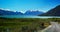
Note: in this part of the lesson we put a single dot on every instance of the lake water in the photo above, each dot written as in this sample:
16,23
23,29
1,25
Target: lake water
26,16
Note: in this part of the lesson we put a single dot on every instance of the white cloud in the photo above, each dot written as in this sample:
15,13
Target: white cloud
37,10
5,9
1,8
23,11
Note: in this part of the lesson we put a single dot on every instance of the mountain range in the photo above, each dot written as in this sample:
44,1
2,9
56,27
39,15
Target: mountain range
6,12
33,12
53,12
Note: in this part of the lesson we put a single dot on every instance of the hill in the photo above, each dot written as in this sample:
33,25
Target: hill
53,12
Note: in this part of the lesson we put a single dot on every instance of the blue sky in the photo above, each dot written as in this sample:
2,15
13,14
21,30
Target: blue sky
24,5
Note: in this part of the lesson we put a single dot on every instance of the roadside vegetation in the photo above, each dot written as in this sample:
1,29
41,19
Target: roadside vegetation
25,24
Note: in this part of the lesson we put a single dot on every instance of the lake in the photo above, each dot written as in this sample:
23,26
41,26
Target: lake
27,16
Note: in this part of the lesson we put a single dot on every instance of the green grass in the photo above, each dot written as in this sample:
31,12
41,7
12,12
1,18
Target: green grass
19,24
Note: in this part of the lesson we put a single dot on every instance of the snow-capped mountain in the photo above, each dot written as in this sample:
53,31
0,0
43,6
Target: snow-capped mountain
6,12
29,12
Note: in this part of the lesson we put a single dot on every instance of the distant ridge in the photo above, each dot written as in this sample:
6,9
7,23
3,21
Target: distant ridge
53,12
5,12
29,12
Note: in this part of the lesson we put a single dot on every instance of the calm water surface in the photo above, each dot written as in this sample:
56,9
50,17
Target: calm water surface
26,16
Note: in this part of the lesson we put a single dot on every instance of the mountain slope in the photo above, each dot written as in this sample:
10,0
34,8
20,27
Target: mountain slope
53,12
5,12
33,12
